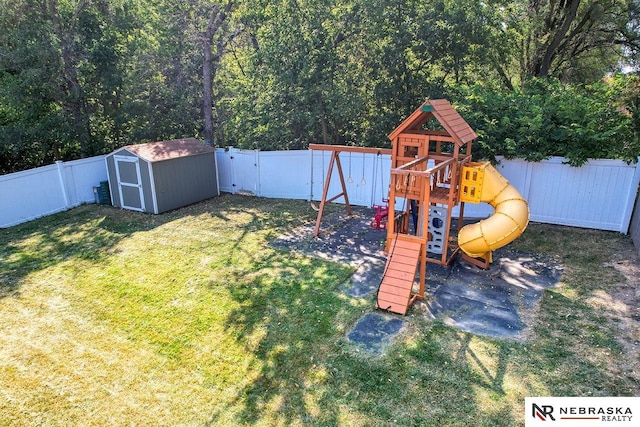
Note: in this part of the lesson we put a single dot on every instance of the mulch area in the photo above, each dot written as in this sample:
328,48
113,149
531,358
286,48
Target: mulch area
497,303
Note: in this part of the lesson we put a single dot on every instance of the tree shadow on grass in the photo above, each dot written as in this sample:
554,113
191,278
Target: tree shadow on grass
309,374
85,233
88,232
488,377
291,303
289,318
425,381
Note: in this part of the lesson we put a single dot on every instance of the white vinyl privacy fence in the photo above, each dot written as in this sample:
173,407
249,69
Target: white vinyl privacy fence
598,195
50,189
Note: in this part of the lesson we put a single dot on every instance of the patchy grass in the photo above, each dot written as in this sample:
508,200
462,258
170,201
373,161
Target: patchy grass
109,317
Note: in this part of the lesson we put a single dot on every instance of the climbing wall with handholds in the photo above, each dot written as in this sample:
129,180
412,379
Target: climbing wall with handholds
436,226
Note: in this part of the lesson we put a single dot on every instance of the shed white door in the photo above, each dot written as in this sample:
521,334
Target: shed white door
129,182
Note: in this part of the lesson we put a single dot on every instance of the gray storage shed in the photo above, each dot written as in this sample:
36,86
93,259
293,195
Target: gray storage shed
160,176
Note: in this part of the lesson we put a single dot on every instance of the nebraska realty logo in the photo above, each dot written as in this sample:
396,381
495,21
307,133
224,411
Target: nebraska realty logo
582,411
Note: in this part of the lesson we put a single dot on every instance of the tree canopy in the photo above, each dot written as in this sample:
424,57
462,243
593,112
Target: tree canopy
83,77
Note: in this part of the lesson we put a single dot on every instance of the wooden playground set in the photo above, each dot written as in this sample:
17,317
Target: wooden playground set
431,174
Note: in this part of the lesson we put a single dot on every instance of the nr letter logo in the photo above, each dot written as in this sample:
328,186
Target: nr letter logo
543,412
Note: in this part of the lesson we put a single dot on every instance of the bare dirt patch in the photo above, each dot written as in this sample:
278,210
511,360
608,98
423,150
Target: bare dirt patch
623,305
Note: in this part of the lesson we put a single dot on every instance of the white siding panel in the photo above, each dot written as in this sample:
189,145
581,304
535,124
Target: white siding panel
238,170
380,179
518,173
319,167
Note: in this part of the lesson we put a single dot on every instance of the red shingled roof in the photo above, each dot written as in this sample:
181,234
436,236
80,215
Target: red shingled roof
165,150
444,112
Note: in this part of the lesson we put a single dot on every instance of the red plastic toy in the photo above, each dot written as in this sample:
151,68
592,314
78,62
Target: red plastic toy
379,221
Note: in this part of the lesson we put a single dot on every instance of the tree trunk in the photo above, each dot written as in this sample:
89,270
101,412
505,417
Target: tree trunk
210,65
323,119
207,93
570,13
72,98
555,32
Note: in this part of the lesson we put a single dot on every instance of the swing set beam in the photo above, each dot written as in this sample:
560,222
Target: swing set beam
335,159
350,149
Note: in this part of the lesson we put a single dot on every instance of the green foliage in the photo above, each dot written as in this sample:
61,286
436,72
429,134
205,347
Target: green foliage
576,40
548,118
83,78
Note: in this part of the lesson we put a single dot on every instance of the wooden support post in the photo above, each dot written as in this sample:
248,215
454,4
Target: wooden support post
391,219
424,232
343,184
335,159
452,201
461,216
483,262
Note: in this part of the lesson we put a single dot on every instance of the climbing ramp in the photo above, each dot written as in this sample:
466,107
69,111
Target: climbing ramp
395,289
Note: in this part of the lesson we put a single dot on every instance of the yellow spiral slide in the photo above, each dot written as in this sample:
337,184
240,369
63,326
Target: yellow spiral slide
481,182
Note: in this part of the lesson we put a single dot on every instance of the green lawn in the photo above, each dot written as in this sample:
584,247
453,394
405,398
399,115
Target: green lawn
110,317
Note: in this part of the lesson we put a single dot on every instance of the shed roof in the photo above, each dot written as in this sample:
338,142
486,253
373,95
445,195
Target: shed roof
165,150
444,112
